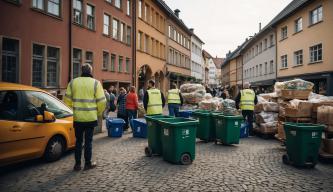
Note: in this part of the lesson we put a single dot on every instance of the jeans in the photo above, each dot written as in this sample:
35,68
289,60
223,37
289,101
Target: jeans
131,114
125,118
248,116
88,137
173,109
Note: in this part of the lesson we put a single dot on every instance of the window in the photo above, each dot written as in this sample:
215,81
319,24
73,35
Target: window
146,44
284,62
271,66
145,12
257,49
316,53
140,41
260,69
89,57
316,15
265,44
260,47
120,64
122,32
39,4
106,60
106,28
117,3
77,60
109,1
90,17
298,25
266,68
174,35
140,9
128,7
10,60
52,66
53,7
298,57
115,32
257,71
169,31
113,62
9,104
77,11
151,16
37,65
284,32
128,35
128,63
271,40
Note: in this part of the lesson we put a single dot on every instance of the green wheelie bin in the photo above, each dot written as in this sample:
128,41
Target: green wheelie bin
154,134
302,143
206,128
178,137
228,129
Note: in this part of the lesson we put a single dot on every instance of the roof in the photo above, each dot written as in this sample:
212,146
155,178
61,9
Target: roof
218,62
193,34
18,87
235,53
206,54
173,16
287,11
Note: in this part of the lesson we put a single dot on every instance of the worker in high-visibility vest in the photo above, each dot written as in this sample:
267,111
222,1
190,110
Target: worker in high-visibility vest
245,100
153,100
86,97
175,100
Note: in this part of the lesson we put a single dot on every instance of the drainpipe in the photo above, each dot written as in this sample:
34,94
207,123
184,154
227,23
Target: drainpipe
134,44
70,42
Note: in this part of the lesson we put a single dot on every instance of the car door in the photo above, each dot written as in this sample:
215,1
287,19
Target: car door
13,132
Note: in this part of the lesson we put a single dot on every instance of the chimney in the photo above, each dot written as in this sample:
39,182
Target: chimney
259,26
177,11
192,30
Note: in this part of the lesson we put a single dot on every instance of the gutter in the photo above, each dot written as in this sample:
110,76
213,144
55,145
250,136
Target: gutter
134,44
70,45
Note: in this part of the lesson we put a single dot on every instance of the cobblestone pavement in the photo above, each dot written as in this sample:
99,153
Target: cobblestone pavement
253,165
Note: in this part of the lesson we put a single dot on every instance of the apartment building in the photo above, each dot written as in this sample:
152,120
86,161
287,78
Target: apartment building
304,43
259,59
206,60
197,62
47,49
218,63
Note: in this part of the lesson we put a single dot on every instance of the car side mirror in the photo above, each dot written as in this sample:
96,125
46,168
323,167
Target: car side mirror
47,117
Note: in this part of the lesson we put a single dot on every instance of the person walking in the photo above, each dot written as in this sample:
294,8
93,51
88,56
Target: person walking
121,103
153,100
175,100
132,104
107,106
245,100
86,97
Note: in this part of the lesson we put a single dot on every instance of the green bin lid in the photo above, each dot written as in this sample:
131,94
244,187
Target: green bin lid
179,122
305,126
233,117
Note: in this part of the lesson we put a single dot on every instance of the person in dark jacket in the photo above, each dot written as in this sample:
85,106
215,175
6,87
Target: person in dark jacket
245,100
121,103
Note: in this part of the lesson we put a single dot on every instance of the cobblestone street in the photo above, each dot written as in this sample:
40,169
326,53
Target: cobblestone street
254,165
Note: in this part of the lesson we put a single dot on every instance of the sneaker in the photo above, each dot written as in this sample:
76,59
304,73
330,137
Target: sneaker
90,166
77,167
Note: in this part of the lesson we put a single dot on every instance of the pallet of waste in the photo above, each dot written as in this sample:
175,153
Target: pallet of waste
266,116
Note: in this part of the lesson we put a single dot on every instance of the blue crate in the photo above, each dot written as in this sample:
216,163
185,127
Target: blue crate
115,127
185,113
139,128
244,130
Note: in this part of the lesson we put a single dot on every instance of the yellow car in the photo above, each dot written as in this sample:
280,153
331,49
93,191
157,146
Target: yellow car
33,124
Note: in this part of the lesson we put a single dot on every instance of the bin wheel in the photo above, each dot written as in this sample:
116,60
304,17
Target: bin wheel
185,159
148,152
285,159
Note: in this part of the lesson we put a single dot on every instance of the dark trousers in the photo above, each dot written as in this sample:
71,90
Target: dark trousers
125,118
88,133
131,114
248,116
173,109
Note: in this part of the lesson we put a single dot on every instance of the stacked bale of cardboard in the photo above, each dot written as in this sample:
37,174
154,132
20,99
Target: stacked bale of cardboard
266,113
325,116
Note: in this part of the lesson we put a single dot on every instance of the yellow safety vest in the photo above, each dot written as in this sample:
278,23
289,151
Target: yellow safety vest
86,97
154,102
247,99
173,96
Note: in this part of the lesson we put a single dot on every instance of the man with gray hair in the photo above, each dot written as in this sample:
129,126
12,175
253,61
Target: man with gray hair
245,100
86,97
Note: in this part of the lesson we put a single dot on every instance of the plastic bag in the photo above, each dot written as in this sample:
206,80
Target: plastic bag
298,84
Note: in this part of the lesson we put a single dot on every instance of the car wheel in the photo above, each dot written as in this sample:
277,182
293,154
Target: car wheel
54,149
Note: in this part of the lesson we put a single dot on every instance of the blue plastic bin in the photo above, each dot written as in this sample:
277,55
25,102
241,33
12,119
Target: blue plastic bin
244,130
185,113
139,128
115,127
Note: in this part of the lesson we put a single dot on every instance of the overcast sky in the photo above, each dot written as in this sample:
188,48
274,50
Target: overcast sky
224,24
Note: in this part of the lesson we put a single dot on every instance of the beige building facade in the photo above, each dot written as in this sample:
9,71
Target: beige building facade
304,45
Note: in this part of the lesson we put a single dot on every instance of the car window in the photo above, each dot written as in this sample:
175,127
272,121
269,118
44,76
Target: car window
34,101
8,105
